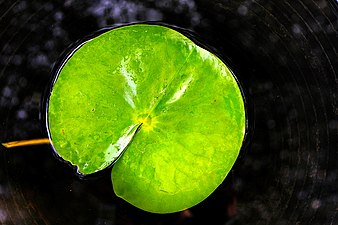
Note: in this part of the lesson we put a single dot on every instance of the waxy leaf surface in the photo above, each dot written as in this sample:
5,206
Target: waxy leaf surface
173,109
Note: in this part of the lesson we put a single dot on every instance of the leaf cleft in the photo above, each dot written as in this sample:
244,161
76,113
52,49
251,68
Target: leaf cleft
115,150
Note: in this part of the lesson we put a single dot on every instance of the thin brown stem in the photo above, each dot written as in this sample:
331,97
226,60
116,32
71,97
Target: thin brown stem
14,144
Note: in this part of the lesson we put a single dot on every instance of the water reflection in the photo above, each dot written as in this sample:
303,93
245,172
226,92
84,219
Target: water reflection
285,53
108,12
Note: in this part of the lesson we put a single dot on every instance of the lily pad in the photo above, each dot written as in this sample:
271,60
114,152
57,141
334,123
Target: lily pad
172,108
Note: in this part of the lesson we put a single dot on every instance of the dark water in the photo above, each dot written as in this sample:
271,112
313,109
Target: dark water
284,53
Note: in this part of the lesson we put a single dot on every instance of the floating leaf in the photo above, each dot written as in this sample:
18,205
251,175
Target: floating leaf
173,107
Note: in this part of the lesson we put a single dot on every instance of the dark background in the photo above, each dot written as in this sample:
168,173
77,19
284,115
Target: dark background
283,52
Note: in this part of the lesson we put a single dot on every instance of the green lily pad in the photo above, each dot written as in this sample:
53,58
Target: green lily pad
173,108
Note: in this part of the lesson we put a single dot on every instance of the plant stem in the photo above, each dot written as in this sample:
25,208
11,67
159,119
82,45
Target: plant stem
14,144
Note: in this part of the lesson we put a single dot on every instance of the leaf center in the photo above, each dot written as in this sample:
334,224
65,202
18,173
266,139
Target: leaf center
148,123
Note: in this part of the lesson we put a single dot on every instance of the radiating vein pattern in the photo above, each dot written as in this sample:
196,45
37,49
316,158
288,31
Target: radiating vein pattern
173,108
